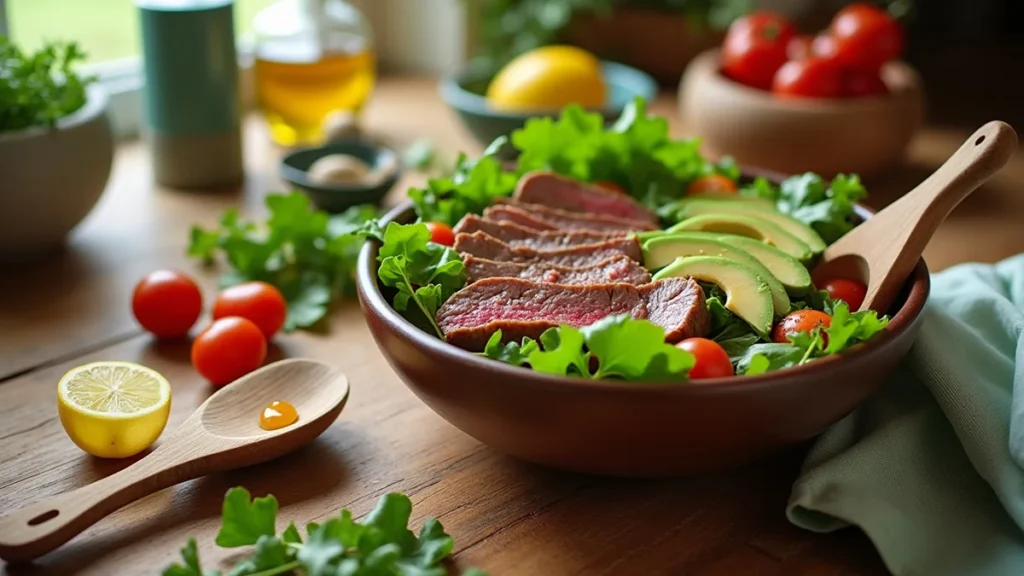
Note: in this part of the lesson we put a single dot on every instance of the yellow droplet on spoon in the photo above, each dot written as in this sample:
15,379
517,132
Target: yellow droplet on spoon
277,415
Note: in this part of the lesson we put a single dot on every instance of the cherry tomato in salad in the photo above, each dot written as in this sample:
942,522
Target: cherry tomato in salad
866,36
228,349
167,303
809,78
609,185
710,359
441,233
755,48
849,291
800,321
258,302
860,83
711,184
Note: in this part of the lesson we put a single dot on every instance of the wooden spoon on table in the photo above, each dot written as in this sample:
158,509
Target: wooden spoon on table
221,434
884,250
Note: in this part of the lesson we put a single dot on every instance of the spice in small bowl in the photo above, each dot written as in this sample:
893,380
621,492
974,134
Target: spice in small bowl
343,173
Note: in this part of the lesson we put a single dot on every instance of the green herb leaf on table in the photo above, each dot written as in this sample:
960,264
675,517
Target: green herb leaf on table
190,563
245,519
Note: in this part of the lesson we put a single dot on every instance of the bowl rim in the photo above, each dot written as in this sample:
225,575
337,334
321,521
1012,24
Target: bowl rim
371,296
450,89
96,103
707,65
297,177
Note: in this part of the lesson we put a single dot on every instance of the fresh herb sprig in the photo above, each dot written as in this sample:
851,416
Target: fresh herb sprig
617,347
39,88
380,545
309,255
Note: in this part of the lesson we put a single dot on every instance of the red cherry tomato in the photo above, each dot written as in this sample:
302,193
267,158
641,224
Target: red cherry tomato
755,48
823,46
441,233
228,349
809,78
804,46
800,321
861,83
849,291
711,360
866,36
167,303
711,184
799,47
613,186
258,302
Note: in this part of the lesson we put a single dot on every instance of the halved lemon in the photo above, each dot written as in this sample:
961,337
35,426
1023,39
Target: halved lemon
113,409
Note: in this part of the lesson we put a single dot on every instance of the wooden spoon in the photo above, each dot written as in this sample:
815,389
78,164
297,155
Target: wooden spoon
221,434
884,250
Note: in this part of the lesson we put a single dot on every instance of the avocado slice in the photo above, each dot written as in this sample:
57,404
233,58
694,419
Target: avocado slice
786,269
719,205
663,250
747,295
743,225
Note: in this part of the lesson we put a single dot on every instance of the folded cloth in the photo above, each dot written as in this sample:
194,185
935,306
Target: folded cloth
932,466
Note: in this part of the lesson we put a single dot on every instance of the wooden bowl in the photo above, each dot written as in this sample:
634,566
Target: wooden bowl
633,429
856,135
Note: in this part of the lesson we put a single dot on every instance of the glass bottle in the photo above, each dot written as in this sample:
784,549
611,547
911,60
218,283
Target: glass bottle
313,57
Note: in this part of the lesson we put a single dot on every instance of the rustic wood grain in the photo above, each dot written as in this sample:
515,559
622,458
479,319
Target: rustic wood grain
507,516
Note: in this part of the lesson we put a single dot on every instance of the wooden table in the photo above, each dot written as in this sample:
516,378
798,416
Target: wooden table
507,516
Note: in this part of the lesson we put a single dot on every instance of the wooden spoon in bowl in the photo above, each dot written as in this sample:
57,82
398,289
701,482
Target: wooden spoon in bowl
884,250
221,434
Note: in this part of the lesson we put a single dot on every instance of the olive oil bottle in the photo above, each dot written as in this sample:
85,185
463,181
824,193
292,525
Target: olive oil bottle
313,57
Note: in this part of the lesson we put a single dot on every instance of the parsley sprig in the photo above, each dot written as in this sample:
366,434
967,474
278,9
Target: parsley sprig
380,545
39,88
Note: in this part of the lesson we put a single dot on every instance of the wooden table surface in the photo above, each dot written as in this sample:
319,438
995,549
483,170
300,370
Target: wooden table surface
506,516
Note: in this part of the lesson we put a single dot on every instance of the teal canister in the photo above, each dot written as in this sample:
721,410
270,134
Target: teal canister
192,102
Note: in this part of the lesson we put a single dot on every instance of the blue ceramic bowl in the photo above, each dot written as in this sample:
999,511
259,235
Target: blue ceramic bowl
464,93
338,197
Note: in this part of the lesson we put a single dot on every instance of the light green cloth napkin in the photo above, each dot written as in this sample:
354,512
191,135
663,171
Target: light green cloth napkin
931,466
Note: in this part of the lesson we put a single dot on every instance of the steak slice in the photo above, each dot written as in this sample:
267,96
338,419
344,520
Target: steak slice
617,269
482,245
540,217
516,235
521,308
678,306
559,191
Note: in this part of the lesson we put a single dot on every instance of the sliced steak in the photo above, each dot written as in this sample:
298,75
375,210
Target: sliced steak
617,269
562,192
522,308
677,305
516,235
488,247
540,217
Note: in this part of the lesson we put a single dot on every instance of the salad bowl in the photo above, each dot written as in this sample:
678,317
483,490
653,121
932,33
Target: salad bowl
634,429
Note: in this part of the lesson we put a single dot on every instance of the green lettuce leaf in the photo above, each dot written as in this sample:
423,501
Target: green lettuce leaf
826,207
514,353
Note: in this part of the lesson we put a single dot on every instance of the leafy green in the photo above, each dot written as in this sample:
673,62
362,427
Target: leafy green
826,207
617,347
473,186
40,88
380,545
309,255
424,273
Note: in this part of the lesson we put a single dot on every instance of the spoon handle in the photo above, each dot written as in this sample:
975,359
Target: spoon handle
42,526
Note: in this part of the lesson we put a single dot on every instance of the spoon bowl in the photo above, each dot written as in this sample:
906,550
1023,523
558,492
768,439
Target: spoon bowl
223,433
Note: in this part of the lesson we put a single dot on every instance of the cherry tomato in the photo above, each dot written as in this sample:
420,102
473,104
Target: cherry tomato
800,321
228,349
860,83
258,302
167,303
613,186
849,291
823,46
441,233
711,360
866,36
755,48
799,47
809,78
711,184
804,46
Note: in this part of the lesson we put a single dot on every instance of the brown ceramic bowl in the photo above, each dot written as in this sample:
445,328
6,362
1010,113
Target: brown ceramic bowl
855,135
633,429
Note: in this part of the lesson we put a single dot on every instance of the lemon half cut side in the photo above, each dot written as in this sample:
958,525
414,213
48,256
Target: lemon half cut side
113,409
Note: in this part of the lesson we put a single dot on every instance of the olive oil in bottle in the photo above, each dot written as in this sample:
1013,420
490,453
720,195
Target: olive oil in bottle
313,57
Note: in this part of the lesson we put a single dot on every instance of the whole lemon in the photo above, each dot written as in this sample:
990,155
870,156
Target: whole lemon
548,78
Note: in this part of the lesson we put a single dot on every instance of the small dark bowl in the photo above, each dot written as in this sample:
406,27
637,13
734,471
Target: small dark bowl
464,93
338,197
634,429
